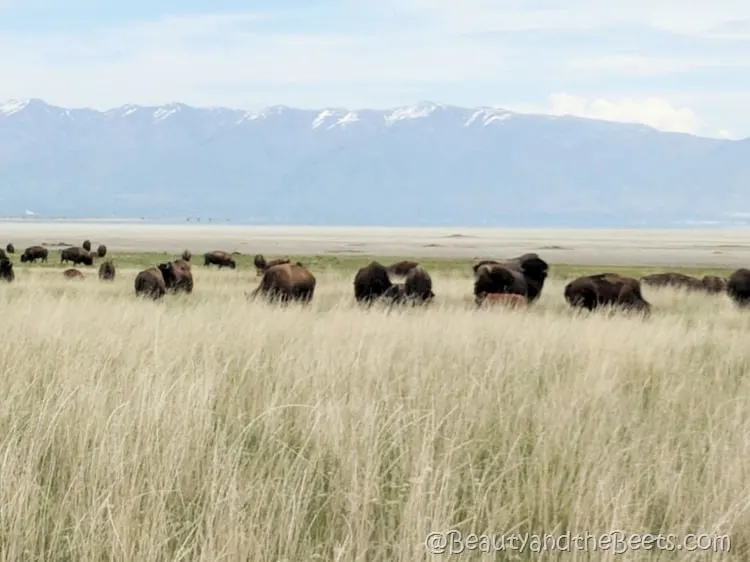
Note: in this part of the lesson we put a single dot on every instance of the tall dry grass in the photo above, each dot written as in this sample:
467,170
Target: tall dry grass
212,428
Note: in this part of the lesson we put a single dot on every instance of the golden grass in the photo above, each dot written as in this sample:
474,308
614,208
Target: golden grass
207,427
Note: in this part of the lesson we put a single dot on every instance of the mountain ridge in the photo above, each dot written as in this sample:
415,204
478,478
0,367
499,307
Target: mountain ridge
422,164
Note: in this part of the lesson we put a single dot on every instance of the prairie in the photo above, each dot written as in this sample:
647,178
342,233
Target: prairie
208,427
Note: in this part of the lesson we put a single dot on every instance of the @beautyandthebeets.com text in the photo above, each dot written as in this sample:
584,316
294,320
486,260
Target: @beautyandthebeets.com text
617,542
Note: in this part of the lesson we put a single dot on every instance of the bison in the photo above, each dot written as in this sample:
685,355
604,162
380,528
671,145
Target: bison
3,255
186,255
287,282
33,253
6,270
101,251
714,284
151,282
10,248
179,277
73,274
401,268
508,300
222,259
418,286
86,245
107,271
738,287
523,275
606,289
371,282
261,265
76,255
672,279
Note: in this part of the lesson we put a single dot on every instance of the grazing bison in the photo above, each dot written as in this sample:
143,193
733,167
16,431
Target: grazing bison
73,274
418,285
76,255
606,289
151,282
222,259
86,245
714,283
179,277
287,282
6,270
33,253
186,255
261,264
101,251
738,287
672,279
523,275
10,248
508,300
107,271
401,268
371,282
3,255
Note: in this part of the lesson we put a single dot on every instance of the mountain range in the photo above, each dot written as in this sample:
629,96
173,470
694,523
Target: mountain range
428,164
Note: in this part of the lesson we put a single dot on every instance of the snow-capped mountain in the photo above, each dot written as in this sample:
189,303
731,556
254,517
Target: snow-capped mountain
423,164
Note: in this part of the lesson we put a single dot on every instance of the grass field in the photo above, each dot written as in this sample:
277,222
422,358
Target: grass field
206,427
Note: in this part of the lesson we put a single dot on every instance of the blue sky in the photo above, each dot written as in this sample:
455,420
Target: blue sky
676,65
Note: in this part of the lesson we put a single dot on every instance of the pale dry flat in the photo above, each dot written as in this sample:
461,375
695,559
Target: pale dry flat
706,248
207,427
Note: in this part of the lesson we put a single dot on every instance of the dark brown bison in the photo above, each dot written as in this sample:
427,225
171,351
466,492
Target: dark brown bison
73,274
418,285
76,255
3,255
151,282
738,287
523,275
672,279
186,255
507,300
33,253
261,264
6,270
86,245
714,283
101,251
371,282
219,258
606,289
401,268
287,282
107,271
179,277
10,248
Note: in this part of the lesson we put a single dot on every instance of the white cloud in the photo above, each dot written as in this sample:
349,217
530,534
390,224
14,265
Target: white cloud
655,112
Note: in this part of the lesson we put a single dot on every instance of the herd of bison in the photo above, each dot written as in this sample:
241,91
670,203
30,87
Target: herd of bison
514,282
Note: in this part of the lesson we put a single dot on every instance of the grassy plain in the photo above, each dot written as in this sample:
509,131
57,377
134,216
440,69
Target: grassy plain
207,427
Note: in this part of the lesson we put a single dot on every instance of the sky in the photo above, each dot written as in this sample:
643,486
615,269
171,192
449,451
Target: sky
678,65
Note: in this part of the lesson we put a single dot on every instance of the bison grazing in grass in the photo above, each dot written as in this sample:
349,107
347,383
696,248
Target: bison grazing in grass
107,271
606,289
286,282
186,255
73,274
672,279
371,282
506,300
261,265
401,268
86,245
738,287
6,270
524,275
33,253
151,283
76,255
101,251
179,277
219,258
3,255
714,284
10,248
